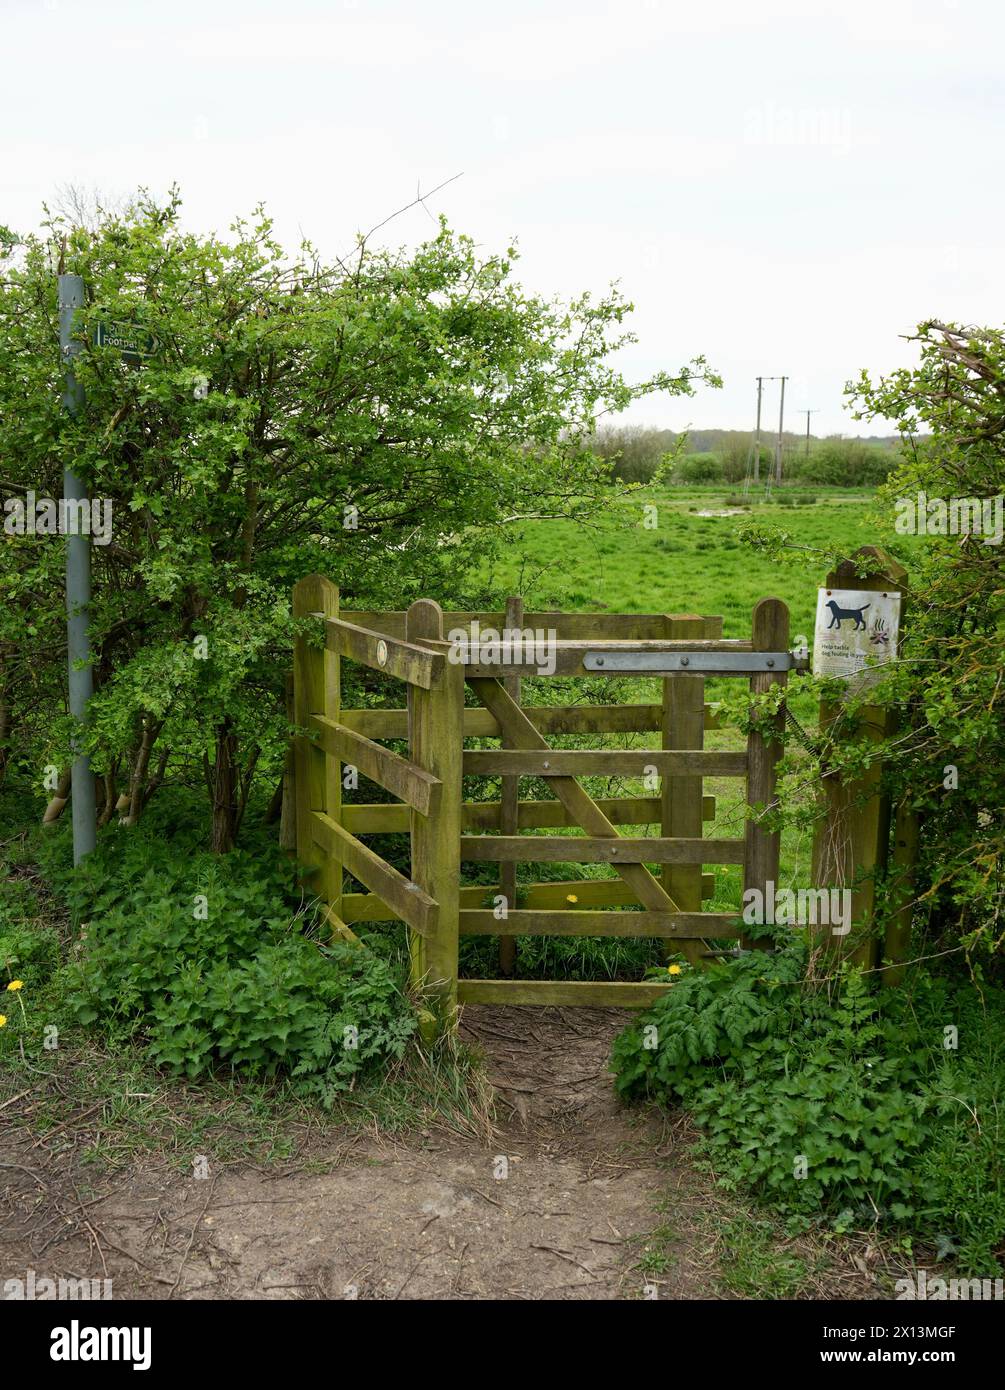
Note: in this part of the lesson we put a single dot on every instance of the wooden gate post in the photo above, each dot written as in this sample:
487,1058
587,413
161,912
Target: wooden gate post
317,777
681,797
436,743
509,800
763,846
850,845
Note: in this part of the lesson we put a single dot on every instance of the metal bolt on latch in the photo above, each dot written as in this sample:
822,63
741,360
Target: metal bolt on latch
685,661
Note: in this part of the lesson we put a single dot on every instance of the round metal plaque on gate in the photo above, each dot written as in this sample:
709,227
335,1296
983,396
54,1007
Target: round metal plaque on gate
382,653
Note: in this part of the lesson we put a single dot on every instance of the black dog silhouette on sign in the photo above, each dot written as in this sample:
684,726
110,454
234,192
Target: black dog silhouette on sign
838,615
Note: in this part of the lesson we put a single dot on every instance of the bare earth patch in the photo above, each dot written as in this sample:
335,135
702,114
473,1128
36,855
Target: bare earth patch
426,1218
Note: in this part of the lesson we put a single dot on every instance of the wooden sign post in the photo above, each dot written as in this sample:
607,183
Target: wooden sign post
851,843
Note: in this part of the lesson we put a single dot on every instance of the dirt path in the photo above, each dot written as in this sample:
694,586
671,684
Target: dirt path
557,1205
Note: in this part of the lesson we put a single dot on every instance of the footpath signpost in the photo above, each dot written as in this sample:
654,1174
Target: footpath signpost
78,582
133,342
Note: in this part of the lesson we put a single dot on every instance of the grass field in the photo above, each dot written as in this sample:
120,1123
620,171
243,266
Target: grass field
693,559
687,562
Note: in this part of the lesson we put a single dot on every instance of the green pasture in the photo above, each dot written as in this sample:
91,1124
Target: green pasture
678,560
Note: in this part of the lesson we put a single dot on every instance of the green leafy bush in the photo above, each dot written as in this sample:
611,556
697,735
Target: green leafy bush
698,468
837,1103
844,463
25,952
321,1013
297,416
208,961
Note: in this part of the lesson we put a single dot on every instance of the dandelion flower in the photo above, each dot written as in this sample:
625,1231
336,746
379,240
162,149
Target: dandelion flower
571,898
16,984
3,1020
673,970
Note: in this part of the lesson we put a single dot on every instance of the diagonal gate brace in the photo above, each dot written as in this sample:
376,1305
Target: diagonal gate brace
519,732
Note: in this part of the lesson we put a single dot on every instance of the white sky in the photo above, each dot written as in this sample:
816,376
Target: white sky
784,185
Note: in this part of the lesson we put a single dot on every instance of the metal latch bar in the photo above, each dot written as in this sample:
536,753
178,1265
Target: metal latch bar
695,663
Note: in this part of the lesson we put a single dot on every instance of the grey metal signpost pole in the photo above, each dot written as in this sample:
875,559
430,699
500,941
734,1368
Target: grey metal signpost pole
78,582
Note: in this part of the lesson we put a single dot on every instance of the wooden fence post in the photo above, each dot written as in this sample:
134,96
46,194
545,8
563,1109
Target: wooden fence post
763,846
509,822
681,797
436,743
317,777
851,843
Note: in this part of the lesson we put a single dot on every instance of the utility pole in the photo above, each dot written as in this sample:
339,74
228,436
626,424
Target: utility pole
757,437
781,418
808,413
78,580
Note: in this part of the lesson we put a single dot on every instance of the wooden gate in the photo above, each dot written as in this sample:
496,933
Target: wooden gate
438,656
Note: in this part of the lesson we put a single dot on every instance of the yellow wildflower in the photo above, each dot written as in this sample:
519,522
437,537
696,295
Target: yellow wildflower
3,1020
571,898
16,984
673,970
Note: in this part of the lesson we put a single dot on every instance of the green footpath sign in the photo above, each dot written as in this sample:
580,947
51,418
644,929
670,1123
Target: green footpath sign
132,341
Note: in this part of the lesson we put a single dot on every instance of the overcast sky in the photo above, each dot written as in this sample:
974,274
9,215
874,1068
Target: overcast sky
783,185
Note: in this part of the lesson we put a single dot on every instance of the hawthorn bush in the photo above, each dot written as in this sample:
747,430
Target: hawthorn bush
378,418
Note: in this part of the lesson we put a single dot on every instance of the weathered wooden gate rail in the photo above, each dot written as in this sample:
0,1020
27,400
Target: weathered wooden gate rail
681,649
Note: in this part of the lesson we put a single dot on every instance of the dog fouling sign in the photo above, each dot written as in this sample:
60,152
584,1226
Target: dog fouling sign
855,629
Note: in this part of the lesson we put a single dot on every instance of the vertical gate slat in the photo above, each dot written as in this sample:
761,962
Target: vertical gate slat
681,804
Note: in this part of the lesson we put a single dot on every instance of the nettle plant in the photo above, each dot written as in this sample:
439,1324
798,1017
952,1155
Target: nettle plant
800,1092
378,418
841,1104
210,964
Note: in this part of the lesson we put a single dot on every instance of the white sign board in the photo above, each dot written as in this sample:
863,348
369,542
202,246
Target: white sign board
855,628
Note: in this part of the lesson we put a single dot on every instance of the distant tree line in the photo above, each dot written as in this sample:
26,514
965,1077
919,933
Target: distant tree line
643,454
